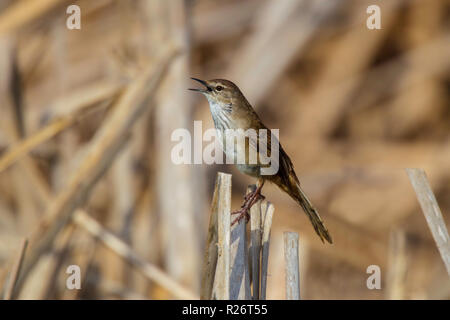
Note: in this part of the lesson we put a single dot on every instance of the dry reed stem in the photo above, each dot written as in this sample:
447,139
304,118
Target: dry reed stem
240,273
292,266
267,208
221,288
61,252
78,101
102,151
210,256
117,245
255,244
9,293
397,262
124,200
22,147
433,215
46,277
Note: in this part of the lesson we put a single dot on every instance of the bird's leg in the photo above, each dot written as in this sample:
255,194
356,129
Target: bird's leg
249,201
249,195
256,192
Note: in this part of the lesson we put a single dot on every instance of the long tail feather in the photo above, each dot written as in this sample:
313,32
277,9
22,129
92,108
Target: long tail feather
312,214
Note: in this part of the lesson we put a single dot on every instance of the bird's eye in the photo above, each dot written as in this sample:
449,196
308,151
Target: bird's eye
219,88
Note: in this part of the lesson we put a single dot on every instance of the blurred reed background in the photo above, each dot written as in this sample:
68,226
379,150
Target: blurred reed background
86,118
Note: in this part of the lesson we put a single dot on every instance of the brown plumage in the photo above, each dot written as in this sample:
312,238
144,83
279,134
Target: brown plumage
231,110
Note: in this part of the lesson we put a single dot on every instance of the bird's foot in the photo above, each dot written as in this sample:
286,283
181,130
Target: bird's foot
249,200
242,213
249,195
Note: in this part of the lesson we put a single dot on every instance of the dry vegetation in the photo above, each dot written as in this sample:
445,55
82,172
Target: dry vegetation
86,117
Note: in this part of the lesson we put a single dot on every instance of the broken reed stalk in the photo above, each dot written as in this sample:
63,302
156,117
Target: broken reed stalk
210,257
221,288
255,248
226,265
291,265
432,212
268,208
9,293
240,274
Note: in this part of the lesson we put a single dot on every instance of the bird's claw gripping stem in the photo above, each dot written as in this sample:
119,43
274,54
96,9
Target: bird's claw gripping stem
249,200
248,196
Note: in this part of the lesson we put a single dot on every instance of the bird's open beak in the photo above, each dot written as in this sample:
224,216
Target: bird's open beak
203,83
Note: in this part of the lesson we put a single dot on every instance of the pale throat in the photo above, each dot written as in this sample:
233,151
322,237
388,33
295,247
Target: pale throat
221,114
214,105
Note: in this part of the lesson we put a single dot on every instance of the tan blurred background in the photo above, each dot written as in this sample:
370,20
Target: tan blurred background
354,108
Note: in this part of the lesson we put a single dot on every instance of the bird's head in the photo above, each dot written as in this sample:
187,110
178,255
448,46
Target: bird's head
219,91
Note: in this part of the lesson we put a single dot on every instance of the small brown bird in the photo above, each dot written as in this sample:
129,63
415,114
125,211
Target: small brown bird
231,110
